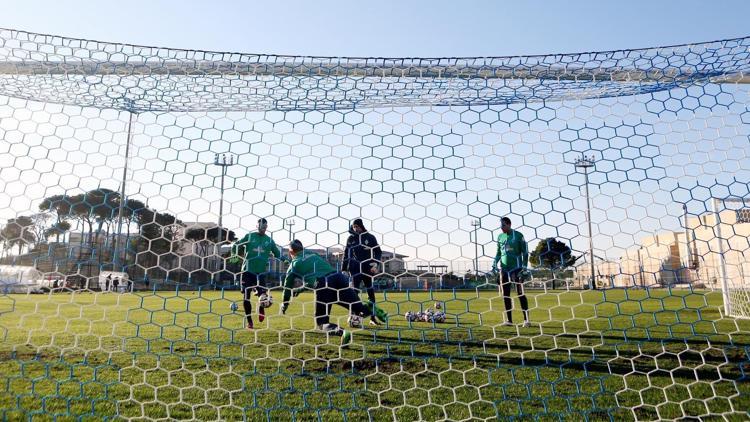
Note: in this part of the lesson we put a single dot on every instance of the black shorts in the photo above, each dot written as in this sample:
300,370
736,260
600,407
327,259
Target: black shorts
253,281
360,279
509,279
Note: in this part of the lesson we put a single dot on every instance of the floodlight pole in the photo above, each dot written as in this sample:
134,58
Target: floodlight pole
476,224
586,163
640,266
130,107
223,161
689,262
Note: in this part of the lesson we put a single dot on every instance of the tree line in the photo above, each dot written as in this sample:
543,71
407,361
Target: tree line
96,214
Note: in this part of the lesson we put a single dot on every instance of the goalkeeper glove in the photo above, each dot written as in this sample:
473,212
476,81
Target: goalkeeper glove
524,275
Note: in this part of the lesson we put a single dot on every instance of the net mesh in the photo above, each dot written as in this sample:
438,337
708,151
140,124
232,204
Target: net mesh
128,172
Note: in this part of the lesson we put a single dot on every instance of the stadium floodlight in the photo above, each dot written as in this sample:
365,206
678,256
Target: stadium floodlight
586,163
224,161
289,222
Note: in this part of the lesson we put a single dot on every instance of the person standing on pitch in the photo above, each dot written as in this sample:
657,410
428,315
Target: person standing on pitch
513,255
330,286
362,258
255,248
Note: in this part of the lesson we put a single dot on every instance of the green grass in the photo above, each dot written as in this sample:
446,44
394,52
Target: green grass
616,354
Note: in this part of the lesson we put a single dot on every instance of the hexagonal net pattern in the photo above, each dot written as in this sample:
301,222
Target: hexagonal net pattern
139,279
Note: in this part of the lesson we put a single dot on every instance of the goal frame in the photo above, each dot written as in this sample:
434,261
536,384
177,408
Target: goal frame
717,206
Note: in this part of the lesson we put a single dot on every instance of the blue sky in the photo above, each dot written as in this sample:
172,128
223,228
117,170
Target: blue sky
386,28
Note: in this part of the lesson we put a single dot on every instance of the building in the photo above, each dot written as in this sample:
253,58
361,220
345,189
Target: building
393,263
697,256
609,273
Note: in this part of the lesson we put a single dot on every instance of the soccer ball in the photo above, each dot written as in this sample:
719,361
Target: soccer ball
233,307
438,305
265,300
438,317
355,321
410,316
427,315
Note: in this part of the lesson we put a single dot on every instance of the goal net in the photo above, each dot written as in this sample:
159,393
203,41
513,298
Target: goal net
145,191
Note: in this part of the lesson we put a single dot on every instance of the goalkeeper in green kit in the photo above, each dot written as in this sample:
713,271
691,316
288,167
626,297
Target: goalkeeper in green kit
330,286
255,249
513,255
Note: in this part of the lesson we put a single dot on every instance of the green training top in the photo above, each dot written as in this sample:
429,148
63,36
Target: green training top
307,266
512,251
256,249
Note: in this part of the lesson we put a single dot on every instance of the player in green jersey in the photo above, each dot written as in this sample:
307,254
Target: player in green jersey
330,286
513,255
255,249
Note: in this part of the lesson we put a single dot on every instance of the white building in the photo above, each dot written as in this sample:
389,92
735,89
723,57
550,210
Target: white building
695,256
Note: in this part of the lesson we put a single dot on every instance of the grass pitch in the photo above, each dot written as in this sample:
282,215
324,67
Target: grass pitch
600,355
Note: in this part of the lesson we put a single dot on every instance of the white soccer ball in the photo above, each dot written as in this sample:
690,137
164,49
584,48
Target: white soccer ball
355,321
233,307
426,316
438,305
438,317
265,300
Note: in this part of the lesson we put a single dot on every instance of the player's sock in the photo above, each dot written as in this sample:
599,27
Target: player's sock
379,313
346,338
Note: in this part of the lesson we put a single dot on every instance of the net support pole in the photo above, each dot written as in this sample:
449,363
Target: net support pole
722,261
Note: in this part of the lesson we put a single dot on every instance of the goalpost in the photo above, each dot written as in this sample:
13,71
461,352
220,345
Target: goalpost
735,287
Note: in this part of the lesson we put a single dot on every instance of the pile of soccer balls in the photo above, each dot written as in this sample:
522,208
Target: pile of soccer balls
428,315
